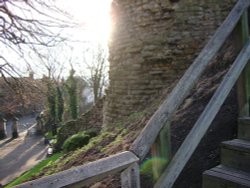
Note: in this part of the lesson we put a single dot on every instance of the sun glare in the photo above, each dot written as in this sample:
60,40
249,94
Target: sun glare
94,16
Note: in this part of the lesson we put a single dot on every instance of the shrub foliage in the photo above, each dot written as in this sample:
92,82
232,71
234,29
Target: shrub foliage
78,140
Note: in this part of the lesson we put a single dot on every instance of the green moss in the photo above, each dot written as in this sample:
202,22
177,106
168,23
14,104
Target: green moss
79,140
135,116
118,140
114,133
93,143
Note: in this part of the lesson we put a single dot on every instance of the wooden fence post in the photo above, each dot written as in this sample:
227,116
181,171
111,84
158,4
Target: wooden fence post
243,84
130,178
161,152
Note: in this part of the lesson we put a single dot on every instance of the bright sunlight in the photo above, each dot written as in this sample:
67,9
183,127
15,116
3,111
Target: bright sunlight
93,15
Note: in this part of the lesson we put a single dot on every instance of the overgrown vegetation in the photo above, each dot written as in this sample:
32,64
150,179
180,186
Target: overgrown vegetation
78,140
49,136
60,103
110,140
52,138
51,106
71,87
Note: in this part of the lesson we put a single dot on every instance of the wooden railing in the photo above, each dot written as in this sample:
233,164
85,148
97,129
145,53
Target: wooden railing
164,114
204,121
85,174
128,162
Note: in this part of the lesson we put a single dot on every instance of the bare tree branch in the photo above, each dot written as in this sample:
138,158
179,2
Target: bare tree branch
98,68
27,24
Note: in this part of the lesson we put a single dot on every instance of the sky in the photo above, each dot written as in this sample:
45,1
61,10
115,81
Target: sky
93,15
93,27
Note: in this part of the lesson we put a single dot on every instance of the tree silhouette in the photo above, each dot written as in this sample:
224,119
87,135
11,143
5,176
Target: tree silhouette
71,87
25,26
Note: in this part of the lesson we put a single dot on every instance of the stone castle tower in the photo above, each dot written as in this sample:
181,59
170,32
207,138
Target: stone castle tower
152,44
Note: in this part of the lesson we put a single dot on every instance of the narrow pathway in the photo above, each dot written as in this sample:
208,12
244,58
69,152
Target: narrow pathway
19,155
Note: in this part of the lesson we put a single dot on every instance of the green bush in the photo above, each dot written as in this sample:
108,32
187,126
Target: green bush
76,141
49,135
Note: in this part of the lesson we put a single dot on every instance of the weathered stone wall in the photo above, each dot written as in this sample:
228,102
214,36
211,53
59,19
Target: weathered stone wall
152,43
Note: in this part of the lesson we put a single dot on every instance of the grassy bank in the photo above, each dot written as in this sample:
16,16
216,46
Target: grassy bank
35,170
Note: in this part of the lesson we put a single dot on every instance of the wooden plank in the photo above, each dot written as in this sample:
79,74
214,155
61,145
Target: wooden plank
161,149
237,159
241,93
243,85
234,172
245,37
237,144
245,27
142,144
244,128
201,126
222,176
241,96
130,178
244,120
85,174
165,139
236,154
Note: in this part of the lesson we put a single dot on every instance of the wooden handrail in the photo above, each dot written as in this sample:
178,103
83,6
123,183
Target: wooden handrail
163,115
204,121
85,174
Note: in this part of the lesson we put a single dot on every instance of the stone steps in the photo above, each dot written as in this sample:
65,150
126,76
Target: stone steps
236,154
222,176
234,171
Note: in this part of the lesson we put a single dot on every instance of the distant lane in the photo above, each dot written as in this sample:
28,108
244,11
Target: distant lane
24,123
21,154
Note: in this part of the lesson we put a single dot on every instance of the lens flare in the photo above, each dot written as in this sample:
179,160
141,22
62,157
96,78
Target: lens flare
153,167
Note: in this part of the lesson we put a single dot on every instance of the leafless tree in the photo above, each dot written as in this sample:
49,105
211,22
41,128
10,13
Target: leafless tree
21,99
98,68
26,25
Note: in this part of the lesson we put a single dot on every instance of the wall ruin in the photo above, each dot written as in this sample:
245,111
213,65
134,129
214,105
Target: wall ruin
152,44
